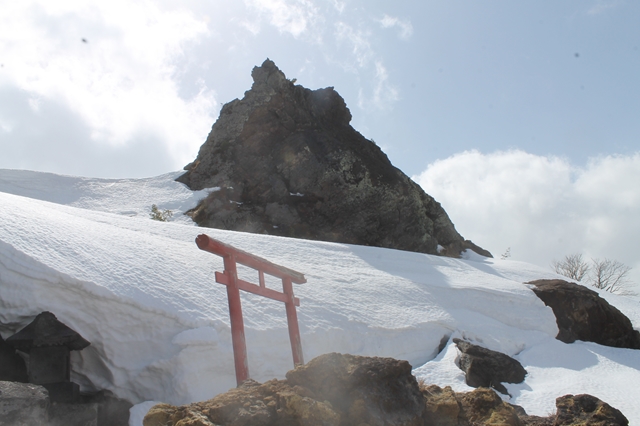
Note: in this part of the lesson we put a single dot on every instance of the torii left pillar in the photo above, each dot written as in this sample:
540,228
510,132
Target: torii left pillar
231,256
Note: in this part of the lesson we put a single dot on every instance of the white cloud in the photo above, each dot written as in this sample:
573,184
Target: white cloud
293,16
252,26
384,93
542,207
357,40
121,79
405,29
338,5
346,43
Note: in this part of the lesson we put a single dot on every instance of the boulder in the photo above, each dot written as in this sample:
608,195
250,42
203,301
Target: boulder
251,403
370,390
587,410
482,406
30,404
581,314
442,406
284,160
332,389
487,368
23,404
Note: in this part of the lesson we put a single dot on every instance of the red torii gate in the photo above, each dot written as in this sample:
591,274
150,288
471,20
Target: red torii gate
229,277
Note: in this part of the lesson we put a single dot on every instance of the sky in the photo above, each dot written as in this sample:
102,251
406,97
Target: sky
521,118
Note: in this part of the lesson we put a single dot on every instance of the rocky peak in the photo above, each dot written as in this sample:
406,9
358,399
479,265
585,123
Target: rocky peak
287,162
268,77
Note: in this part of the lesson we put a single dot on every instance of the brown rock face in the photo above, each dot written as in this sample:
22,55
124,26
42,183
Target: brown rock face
479,407
251,404
347,390
484,407
587,410
581,314
367,390
288,163
331,390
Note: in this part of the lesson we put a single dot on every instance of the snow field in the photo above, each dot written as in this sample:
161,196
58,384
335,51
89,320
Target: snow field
144,296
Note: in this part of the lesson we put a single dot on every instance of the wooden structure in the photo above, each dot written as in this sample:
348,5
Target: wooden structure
231,256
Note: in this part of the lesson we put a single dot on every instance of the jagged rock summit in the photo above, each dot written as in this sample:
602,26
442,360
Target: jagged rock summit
287,162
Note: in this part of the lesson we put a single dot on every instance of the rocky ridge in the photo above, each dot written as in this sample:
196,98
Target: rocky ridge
284,160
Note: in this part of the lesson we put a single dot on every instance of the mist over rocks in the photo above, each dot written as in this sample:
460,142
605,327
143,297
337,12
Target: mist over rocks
285,161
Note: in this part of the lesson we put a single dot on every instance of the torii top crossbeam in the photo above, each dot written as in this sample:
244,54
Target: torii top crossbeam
214,246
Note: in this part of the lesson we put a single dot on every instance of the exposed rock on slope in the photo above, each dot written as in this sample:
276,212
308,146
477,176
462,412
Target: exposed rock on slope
288,163
487,368
582,314
587,410
347,390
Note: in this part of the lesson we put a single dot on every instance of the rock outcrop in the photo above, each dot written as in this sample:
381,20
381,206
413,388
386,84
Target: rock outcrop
347,390
486,368
581,314
23,404
332,389
27,404
287,162
587,410
369,390
484,407
479,407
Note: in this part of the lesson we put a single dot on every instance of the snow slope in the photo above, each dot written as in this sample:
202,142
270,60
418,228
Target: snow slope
144,295
129,197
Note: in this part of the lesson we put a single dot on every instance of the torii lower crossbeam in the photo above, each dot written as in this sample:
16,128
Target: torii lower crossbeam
231,256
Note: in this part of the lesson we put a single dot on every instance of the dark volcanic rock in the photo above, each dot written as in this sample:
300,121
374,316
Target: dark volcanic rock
487,368
288,163
581,314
